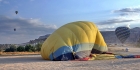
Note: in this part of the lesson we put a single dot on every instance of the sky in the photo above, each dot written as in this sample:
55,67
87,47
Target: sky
40,17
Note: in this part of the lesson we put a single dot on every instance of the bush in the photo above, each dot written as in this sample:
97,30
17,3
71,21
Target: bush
29,48
38,47
7,50
0,49
33,49
11,49
20,49
138,42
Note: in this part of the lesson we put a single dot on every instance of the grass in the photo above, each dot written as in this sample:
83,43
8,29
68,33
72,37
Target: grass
19,53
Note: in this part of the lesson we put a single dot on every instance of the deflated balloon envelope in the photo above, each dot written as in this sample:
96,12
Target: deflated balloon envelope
122,33
72,41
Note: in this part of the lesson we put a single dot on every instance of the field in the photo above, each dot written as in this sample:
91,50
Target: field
35,62
18,53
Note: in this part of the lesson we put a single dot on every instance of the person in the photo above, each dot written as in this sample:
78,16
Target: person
126,49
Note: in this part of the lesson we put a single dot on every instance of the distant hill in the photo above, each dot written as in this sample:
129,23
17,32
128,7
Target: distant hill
45,36
110,36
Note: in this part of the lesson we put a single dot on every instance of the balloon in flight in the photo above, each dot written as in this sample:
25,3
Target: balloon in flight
122,33
14,29
16,12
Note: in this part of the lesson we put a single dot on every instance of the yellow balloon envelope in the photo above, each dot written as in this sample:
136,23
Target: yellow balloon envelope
72,41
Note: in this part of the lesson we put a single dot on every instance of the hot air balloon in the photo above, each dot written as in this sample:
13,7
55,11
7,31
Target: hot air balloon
74,40
122,33
16,12
14,29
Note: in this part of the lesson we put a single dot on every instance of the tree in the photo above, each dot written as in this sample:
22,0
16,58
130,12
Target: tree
0,49
138,42
38,47
11,49
29,48
7,50
20,49
33,49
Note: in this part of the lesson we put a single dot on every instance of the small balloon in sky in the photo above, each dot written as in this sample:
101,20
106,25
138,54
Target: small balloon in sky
16,12
14,29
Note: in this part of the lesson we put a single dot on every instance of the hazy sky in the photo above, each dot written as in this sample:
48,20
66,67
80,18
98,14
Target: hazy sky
40,17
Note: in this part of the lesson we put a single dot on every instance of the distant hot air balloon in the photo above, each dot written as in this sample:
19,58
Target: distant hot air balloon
14,29
122,33
16,12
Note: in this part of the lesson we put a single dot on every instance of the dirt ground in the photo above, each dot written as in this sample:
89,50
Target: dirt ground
35,62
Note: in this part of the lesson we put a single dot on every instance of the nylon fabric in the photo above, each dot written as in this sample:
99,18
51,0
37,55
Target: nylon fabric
72,38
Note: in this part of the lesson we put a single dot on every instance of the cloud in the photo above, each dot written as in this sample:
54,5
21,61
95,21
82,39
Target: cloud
126,17
26,29
128,11
132,10
113,21
106,27
5,2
